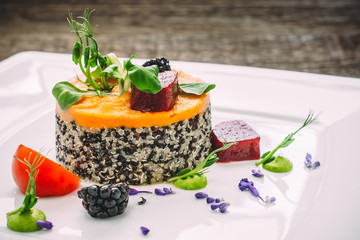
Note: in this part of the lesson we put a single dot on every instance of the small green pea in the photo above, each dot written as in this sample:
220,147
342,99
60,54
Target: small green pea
191,183
279,164
25,222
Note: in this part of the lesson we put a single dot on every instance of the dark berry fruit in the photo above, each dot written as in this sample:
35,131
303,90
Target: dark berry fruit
162,101
162,63
105,201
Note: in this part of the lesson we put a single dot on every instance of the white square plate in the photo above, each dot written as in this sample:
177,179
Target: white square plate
311,204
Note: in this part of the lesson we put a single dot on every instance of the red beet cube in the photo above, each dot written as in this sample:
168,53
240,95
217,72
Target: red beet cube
162,101
247,146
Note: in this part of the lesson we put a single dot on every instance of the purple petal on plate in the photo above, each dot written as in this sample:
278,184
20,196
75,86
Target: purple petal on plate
201,195
257,173
44,224
144,230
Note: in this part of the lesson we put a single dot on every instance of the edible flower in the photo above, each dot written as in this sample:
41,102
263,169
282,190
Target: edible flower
210,200
164,191
144,230
257,173
255,192
308,162
221,206
133,191
200,195
44,224
245,184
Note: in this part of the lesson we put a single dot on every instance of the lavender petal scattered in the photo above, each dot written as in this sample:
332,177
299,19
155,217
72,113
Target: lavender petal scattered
144,230
210,200
44,224
255,192
163,192
159,192
223,207
308,162
201,195
217,200
214,206
245,183
257,173
167,190
133,191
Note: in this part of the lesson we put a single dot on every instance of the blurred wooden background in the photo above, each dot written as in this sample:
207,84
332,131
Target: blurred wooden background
319,36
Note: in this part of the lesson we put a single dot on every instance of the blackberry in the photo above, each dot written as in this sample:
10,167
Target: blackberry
162,63
105,201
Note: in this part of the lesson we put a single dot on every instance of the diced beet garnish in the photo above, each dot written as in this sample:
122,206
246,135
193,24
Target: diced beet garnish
247,146
163,100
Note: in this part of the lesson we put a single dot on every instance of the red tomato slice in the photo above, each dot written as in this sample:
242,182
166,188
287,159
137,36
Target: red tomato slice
52,179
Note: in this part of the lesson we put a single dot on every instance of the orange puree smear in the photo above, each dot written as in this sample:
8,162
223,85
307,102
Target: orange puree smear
114,111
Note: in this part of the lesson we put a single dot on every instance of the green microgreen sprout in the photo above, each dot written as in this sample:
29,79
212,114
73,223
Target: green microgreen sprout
98,70
269,156
202,168
30,198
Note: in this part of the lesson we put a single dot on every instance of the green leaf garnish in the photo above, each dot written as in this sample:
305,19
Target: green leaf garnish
202,168
144,78
99,69
30,198
67,94
196,88
269,156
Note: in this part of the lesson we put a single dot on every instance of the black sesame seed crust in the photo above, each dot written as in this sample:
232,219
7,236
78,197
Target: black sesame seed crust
135,156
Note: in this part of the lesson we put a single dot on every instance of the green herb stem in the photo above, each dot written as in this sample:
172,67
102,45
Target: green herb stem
204,164
30,198
288,140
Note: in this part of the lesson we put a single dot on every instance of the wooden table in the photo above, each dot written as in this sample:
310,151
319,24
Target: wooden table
319,36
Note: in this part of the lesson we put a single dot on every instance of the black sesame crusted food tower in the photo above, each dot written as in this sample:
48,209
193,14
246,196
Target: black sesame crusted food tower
136,152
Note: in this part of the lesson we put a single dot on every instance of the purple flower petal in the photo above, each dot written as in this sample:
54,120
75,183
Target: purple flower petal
44,224
255,192
257,173
308,162
159,192
245,183
316,164
144,230
200,195
217,200
133,191
223,207
214,206
210,200
167,190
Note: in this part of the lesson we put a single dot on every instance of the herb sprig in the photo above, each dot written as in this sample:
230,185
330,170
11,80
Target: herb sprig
99,69
203,167
269,156
30,198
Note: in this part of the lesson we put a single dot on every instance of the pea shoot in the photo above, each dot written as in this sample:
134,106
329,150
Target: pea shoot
268,157
25,218
194,179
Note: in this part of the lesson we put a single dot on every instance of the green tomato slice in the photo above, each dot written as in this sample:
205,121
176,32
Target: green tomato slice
25,222
279,165
191,183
